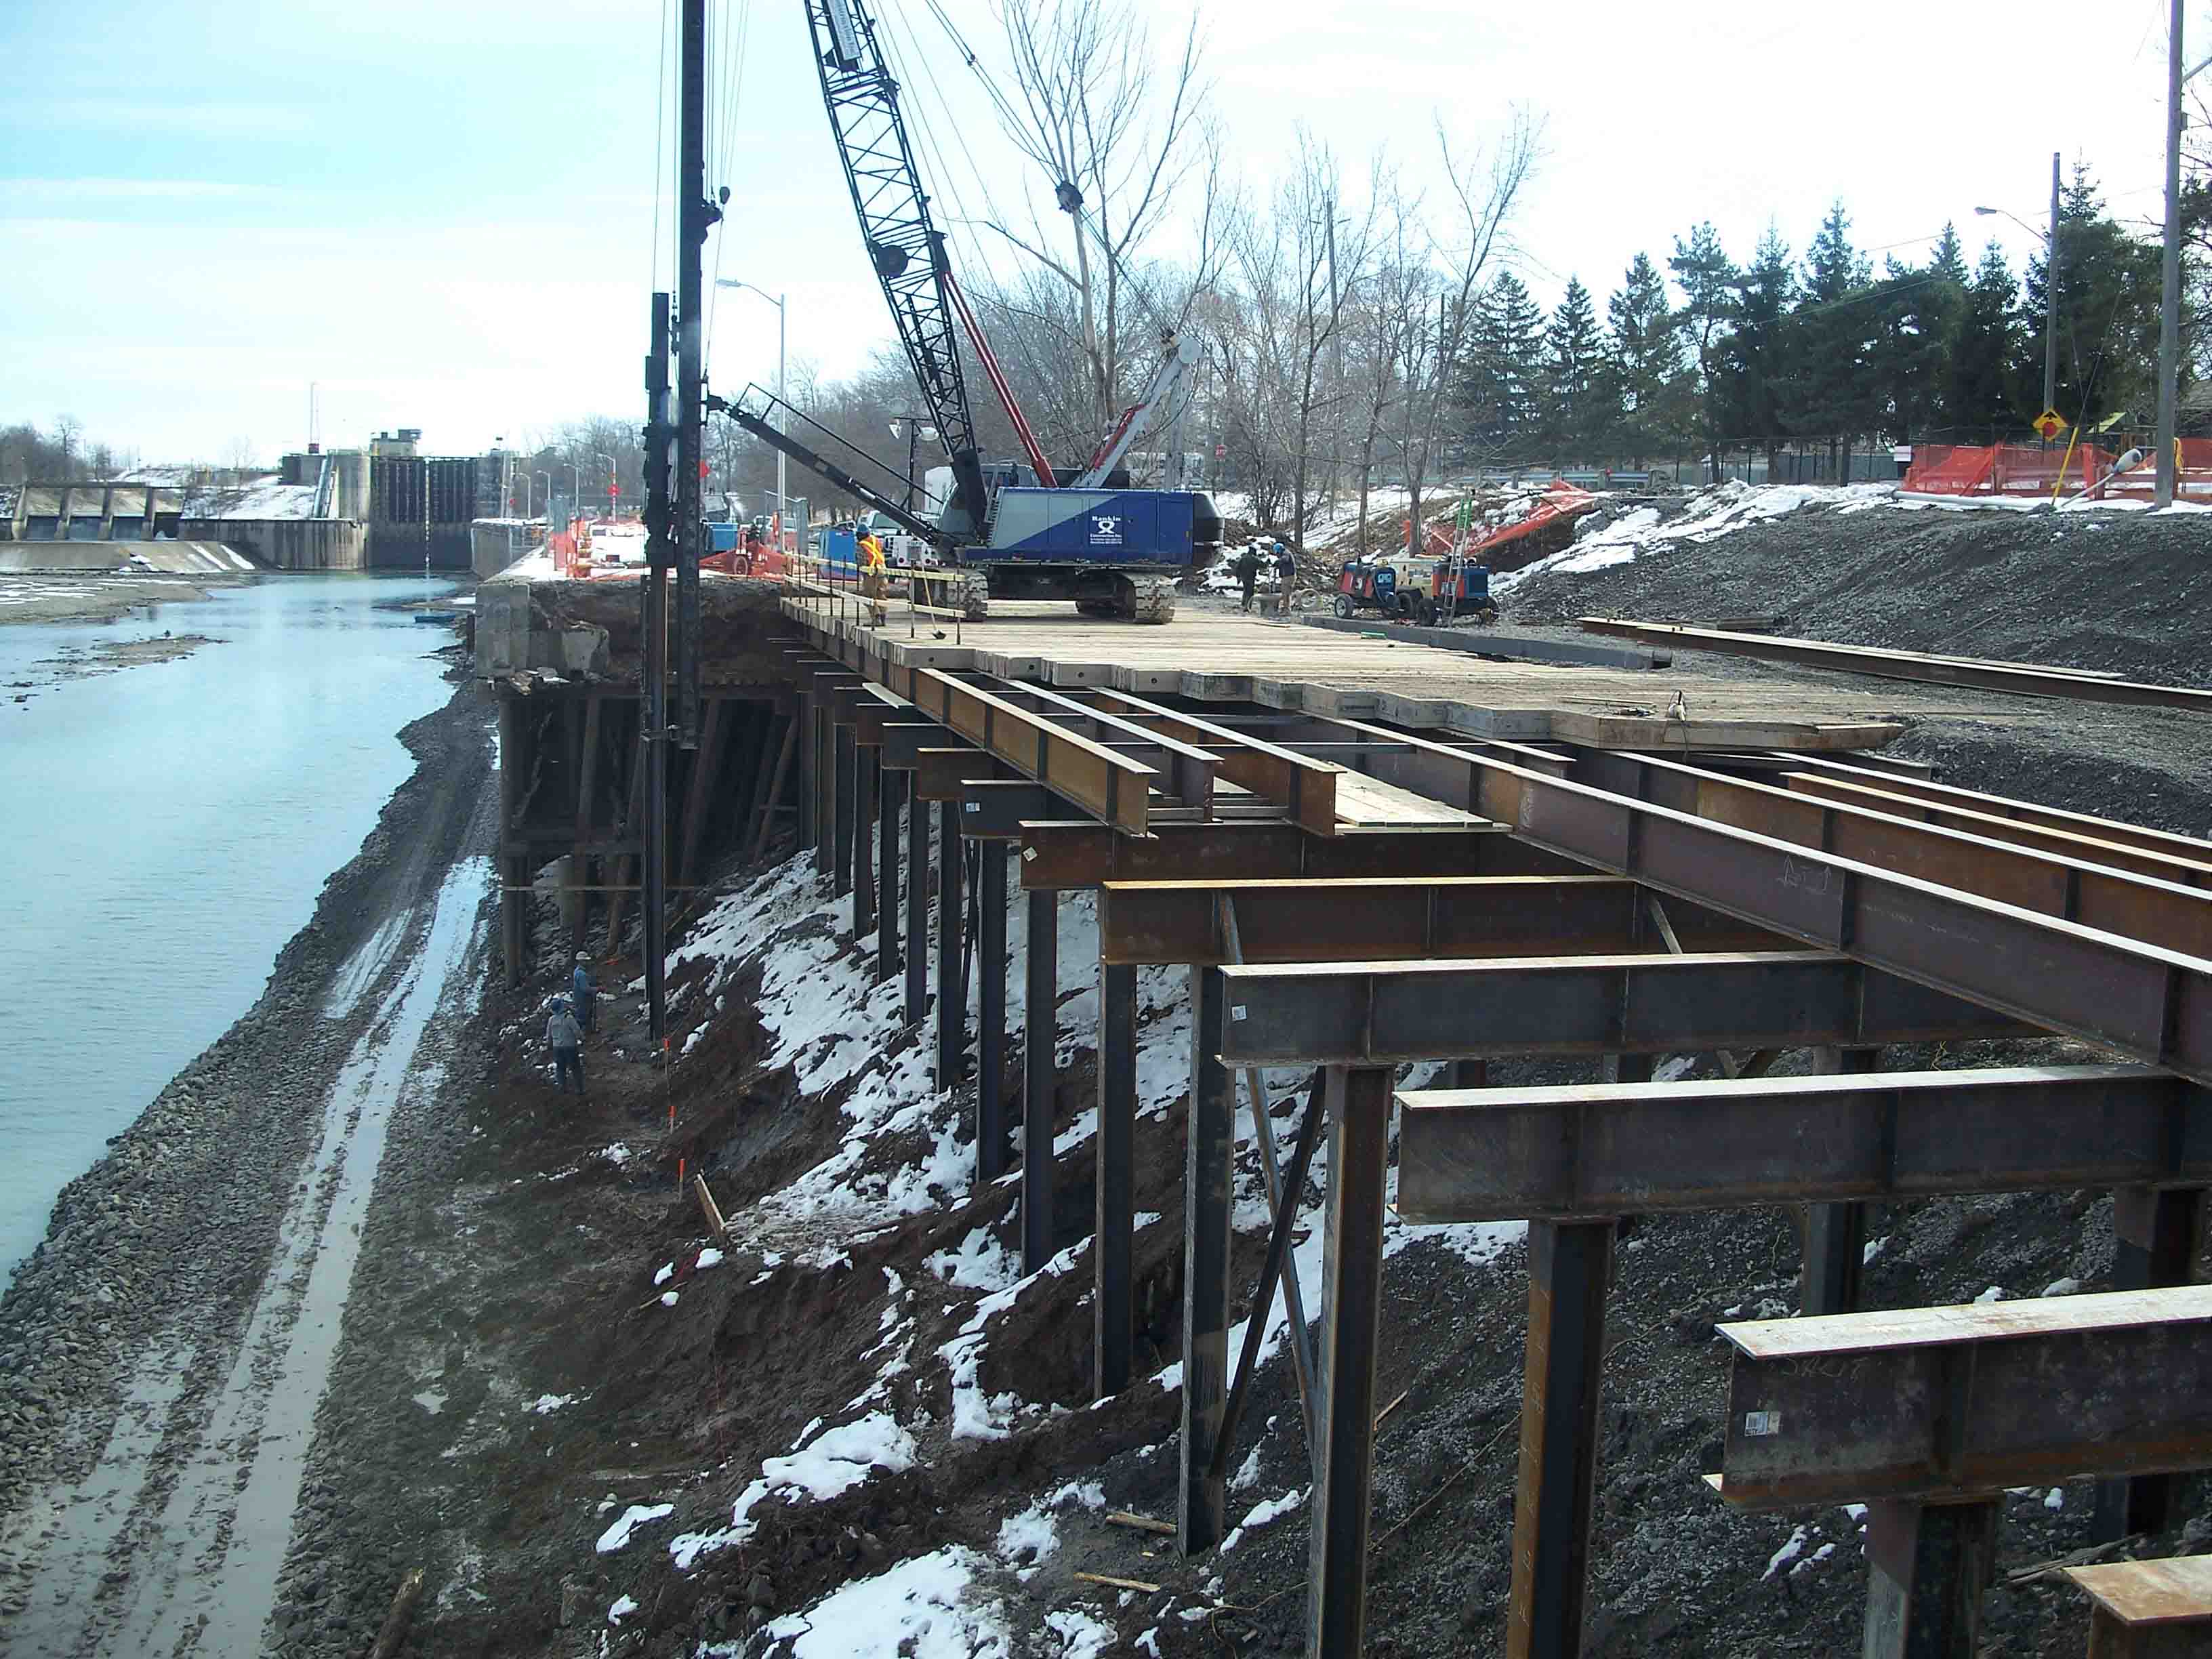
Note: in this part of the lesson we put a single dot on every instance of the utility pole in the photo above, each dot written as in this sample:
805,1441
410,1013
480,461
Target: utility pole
2050,303
2169,317
652,699
695,216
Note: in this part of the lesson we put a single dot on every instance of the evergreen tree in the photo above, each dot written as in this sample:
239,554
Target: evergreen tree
1707,277
1756,361
1501,388
1579,405
1647,361
1978,369
2108,300
1916,317
1830,393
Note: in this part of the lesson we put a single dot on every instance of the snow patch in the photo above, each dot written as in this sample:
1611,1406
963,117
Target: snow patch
918,1609
633,1517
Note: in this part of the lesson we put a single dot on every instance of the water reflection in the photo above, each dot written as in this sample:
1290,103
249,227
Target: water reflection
168,827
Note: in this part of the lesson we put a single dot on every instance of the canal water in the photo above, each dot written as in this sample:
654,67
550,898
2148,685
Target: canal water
166,828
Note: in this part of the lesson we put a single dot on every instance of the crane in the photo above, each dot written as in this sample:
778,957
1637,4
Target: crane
1012,528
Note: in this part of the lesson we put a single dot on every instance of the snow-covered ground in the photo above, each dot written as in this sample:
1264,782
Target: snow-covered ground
825,1015
1710,514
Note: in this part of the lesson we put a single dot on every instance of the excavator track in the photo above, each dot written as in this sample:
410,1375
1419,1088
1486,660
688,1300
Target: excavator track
1146,599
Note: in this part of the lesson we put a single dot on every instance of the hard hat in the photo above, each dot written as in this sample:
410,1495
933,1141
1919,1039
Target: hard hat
560,1005
583,956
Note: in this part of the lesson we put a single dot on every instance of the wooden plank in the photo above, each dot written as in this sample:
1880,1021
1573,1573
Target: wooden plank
2174,1591
1838,1335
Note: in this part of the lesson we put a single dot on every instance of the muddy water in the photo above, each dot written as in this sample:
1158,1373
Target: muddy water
166,828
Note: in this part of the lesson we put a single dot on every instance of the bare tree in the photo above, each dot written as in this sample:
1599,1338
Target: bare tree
1485,189
1116,137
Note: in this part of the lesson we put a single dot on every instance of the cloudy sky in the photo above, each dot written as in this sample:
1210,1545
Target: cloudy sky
442,215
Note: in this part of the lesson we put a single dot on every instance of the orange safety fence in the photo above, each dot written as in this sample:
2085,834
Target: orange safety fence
2029,470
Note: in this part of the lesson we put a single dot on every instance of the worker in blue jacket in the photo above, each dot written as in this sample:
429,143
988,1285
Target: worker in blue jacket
580,985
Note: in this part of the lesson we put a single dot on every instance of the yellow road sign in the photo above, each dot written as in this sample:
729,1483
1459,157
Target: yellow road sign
2050,424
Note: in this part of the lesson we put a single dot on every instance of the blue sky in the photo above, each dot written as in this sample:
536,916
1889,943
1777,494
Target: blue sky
442,213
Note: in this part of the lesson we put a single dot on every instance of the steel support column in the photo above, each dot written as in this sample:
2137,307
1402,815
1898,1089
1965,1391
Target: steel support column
845,757
990,1011
1359,1106
2156,1234
1569,1270
810,751
1927,1567
890,792
1210,1144
917,903
1040,1046
865,774
1836,1234
1569,1266
951,993
1113,1245
825,790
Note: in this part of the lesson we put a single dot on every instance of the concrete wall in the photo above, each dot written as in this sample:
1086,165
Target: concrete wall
496,543
286,543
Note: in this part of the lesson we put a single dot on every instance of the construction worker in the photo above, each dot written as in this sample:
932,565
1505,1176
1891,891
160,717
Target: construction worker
872,576
1287,578
580,987
566,1040
1248,571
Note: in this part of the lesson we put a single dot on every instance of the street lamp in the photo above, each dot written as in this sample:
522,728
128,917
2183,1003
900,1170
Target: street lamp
546,493
613,489
916,428
2050,287
782,501
523,473
575,489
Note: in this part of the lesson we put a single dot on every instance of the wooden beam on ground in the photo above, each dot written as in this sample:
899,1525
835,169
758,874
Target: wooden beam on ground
1387,1014
2027,679
1361,919
1937,1403
1582,1152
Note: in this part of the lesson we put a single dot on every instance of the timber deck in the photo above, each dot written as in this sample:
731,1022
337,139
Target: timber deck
1285,665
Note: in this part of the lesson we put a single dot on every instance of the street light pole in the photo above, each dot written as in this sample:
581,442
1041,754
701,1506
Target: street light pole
782,499
612,497
523,474
2169,311
2050,241
2051,300
575,490
546,495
